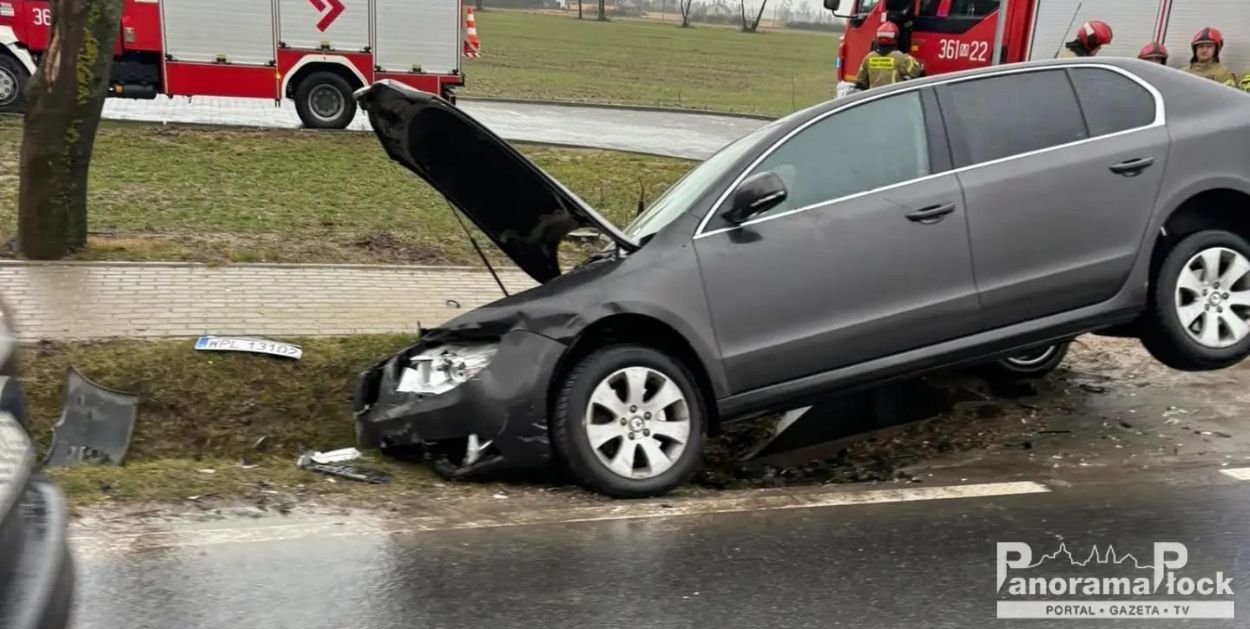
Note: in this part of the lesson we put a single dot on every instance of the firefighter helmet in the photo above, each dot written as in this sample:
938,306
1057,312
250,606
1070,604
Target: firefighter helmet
1211,36
887,34
1094,34
1154,51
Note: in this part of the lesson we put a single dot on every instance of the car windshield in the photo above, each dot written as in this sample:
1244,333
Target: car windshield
677,199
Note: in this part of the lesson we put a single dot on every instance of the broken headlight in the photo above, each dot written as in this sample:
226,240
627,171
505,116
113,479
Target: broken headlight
445,367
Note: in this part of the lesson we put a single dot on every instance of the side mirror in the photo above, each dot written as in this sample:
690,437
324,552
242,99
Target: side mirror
757,194
833,5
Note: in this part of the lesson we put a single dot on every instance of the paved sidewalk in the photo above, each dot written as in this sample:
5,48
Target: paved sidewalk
103,300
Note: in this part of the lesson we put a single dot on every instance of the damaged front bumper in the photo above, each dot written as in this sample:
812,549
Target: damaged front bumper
482,408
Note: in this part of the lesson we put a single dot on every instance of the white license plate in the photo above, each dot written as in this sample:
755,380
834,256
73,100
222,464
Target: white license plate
255,346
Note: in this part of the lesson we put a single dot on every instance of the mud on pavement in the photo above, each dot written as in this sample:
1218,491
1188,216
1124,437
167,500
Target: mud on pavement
1110,406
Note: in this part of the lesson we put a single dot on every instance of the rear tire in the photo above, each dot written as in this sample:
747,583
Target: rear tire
629,422
1204,279
1028,365
13,80
324,101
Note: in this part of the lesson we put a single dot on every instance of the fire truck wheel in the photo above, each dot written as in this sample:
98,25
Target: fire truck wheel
13,77
324,101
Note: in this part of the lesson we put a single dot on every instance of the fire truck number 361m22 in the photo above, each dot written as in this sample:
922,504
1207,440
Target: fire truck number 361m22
955,49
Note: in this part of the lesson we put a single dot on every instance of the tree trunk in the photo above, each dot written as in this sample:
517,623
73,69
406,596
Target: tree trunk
685,5
759,16
65,98
477,5
579,9
751,27
603,11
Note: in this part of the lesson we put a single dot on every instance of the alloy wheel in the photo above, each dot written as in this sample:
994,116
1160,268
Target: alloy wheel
1034,357
637,422
1213,297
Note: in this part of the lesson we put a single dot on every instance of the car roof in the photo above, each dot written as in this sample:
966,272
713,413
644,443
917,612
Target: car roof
1149,71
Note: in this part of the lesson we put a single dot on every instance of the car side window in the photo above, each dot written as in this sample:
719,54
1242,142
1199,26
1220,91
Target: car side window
1111,101
868,146
1007,115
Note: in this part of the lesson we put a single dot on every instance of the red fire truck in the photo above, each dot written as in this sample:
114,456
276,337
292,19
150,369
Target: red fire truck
950,35
315,52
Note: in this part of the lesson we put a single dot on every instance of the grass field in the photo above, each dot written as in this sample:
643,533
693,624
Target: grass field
554,57
201,412
242,195
200,416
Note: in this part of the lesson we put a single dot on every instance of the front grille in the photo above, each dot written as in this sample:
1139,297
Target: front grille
17,458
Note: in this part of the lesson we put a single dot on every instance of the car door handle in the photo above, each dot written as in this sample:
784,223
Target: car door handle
931,214
1133,167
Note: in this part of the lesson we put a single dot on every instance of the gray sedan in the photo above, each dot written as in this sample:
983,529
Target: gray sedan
954,220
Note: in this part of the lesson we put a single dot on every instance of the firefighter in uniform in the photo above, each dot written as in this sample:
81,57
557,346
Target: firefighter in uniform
1205,63
1090,38
887,64
1154,51
901,13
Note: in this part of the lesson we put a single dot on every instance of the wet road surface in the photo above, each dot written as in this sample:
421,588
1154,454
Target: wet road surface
687,135
924,563
1113,449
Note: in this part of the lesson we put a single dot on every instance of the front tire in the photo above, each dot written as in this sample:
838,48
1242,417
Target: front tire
13,80
1199,313
629,422
324,101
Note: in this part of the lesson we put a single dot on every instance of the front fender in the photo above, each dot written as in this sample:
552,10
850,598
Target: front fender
697,338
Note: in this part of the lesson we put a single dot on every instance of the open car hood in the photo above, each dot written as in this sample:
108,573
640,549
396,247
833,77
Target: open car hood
520,207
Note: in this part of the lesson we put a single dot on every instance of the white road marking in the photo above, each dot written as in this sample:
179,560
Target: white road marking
1239,473
92,542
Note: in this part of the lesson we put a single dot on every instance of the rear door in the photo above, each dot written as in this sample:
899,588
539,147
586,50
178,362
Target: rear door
1059,189
867,257
418,36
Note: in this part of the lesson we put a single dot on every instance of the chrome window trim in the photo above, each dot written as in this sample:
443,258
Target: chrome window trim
1159,121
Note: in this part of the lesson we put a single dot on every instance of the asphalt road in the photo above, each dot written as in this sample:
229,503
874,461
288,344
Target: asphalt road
687,135
926,563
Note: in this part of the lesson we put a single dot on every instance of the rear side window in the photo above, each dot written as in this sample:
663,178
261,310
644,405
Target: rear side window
1111,101
1008,115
